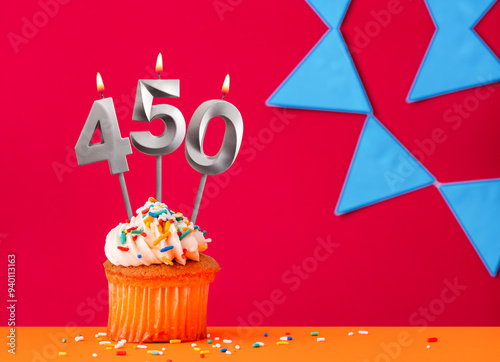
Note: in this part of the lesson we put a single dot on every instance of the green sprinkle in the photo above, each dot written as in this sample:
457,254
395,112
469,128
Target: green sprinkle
155,352
64,340
204,233
161,212
209,341
136,231
184,234
123,237
314,333
178,218
255,345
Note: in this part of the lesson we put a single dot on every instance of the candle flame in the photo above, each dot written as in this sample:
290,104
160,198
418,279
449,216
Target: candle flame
159,63
225,86
100,84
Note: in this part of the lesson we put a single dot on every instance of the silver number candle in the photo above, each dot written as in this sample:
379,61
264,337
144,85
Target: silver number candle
144,111
212,165
112,148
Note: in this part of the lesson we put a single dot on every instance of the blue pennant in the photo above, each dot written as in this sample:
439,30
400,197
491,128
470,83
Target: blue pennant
381,168
326,79
476,205
457,58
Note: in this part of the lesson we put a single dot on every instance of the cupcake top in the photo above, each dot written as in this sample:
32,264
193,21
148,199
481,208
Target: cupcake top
156,235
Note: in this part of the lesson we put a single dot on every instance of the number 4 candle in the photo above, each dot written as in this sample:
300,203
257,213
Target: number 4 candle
112,147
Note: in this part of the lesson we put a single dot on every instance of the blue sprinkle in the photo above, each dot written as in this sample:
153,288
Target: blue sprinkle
265,334
223,350
289,338
139,256
166,248
196,227
152,214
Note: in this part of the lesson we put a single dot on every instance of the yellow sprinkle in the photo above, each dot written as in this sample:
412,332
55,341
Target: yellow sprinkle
125,231
62,353
109,347
281,342
161,237
205,352
169,262
202,247
175,340
148,352
197,348
187,222
152,199
99,339
184,228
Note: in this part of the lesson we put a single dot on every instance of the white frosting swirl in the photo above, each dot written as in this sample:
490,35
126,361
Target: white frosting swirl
155,228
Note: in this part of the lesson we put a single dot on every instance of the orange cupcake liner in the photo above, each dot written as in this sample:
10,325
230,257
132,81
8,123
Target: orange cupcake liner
144,314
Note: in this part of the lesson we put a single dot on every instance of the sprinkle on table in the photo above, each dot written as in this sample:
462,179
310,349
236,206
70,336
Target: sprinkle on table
320,339
314,333
432,339
255,345
209,341
175,341
121,353
62,354
281,343
64,340
265,334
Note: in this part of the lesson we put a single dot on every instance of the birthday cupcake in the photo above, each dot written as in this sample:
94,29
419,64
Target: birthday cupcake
158,279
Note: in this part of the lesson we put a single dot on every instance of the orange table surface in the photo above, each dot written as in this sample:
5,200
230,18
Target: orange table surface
381,344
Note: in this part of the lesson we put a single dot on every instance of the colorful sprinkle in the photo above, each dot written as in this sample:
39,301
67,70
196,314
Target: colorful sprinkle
168,261
121,353
205,352
237,346
139,256
175,341
255,345
265,334
289,338
123,237
145,211
209,341
363,332
152,199
432,339
184,234
79,338
144,234
227,341
122,248
161,237
136,231
143,346
224,350
196,348
94,355
202,247
314,333
204,233
61,354
166,248
320,339
64,340
281,343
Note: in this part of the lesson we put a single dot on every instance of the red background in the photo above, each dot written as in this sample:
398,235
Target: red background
265,215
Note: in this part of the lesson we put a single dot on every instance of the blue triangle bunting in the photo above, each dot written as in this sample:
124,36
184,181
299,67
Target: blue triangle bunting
457,58
381,168
476,205
326,79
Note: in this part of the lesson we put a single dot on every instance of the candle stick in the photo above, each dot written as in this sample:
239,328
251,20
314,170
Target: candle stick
213,165
112,147
145,111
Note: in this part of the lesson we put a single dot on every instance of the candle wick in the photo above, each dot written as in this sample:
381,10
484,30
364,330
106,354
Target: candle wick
158,75
223,96
102,95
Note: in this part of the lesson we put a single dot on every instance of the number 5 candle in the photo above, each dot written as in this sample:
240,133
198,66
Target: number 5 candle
213,165
112,147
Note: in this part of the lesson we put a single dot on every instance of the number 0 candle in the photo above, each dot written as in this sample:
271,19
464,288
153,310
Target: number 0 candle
213,165
112,147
